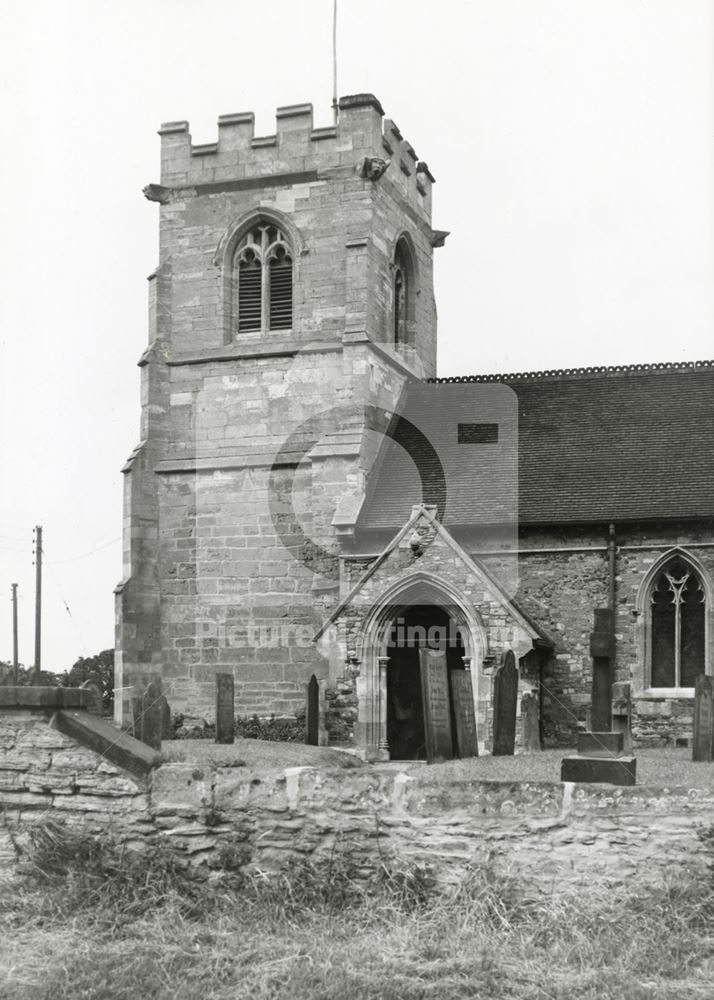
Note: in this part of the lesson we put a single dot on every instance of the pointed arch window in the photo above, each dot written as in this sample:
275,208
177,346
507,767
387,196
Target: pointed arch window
402,294
677,626
263,273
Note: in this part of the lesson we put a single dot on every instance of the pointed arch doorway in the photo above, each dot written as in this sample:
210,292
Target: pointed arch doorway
416,628
418,635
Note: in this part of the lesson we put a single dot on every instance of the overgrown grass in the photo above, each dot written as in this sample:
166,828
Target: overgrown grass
81,927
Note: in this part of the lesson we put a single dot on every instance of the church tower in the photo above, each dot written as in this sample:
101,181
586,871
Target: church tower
292,303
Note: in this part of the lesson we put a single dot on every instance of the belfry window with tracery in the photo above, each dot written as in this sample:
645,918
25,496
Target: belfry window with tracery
263,274
402,294
677,626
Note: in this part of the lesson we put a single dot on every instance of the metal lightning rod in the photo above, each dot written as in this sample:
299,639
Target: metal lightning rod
334,61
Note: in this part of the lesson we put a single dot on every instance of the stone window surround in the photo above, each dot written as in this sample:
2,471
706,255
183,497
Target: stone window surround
641,687
224,256
403,258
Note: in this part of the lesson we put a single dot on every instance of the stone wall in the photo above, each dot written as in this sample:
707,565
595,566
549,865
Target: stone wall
45,773
228,817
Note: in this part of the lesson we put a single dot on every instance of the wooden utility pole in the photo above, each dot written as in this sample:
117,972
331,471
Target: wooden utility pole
38,603
14,632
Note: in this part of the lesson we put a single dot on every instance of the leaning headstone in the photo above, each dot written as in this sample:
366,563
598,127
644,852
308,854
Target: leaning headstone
462,696
703,744
530,720
312,718
167,730
225,708
147,720
437,705
93,684
505,697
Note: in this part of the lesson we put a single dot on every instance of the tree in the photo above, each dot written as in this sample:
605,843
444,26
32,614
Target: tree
102,666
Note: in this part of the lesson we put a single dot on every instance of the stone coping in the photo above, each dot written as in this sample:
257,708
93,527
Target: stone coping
45,697
105,739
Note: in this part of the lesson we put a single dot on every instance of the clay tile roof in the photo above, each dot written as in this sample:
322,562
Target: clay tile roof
592,445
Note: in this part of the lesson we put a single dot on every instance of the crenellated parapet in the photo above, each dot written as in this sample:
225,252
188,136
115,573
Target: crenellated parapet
363,140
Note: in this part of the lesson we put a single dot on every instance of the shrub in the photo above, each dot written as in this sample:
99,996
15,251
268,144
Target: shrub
280,730
290,729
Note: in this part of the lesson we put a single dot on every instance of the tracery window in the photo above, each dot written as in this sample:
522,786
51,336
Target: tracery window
677,626
263,269
402,280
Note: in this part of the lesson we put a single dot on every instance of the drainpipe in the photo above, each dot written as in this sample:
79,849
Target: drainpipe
611,562
611,552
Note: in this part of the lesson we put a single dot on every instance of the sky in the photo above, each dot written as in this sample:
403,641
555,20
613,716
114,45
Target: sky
572,143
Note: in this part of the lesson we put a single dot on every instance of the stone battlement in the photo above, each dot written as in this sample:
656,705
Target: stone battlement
361,139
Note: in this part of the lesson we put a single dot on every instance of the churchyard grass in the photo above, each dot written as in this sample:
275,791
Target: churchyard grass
663,767
88,929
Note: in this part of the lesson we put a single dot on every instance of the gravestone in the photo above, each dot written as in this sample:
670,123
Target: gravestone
505,696
622,713
147,716
312,719
703,744
601,756
601,650
167,730
437,706
464,715
93,684
225,708
530,720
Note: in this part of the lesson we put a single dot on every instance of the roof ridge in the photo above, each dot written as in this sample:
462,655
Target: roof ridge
638,369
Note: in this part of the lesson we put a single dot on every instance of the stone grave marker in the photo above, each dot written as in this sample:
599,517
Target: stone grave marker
437,706
530,720
703,744
225,708
312,718
601,649
147,716
167,730
505,695
622,712
601,755
93,684
464,715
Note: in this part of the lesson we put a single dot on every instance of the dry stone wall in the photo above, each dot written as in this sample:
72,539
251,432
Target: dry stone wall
232,817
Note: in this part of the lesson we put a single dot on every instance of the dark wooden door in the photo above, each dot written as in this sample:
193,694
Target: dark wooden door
464,715
437,707
313,712
505,693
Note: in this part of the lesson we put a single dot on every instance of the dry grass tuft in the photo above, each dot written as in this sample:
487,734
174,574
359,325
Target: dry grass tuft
86,926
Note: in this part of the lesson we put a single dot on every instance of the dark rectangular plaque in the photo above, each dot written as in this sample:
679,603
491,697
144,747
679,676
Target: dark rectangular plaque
225,710
703,718
477,433
437,708
464,714
611,771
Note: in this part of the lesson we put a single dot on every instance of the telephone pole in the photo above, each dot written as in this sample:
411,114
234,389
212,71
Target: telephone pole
38,603
14,632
